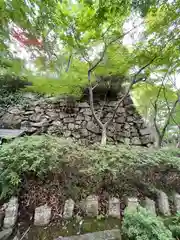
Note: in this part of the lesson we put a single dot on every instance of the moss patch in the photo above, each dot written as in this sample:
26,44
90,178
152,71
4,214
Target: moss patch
73,227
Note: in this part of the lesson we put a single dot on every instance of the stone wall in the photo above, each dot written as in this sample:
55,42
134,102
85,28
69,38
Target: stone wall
54,116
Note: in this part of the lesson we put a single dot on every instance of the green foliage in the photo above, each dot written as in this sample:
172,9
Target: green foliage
124,160
145,95
47,154
9,99
142,225
10,86
70,83
173,224
117,61
11,83
38,154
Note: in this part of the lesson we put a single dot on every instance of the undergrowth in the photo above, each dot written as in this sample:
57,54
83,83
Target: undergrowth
143,225
42,155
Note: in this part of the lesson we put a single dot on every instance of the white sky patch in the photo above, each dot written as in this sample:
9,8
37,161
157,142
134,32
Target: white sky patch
136,27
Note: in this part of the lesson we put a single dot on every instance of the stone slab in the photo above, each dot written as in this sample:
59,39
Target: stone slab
150,205
91,205
11,213
68,209
113,234
42,215
177,201
163,203
10,133
132,203
114,207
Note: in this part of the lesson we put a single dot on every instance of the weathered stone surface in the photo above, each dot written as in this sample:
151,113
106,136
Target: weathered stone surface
150,205
113,234
52,114
92,127
144,131
120,119
10,120
87,118
135,141
11,133
177,201
25,124
83,105
92,205
5,234
29,129
2,214
11,212
127,126
67,133
126,141
71,126
57,123
15,111
145,140
79,118
38,109
68,209
43,123
87,111
114,207
76,135
46,116
84,132
130,119
42,215
62,115
36,117
121,110
68,120
163,203
112,104
28,112
132,203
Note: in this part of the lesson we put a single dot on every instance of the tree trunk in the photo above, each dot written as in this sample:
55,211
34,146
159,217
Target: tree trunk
178,142
158,141
104,136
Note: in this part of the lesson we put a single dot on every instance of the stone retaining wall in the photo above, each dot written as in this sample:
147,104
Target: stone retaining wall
75,120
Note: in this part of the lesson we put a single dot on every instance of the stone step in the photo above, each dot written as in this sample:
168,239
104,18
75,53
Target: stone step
163,203
150,205
91,207
113,234
11,213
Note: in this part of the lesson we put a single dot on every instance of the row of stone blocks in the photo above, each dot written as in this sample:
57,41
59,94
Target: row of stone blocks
42,214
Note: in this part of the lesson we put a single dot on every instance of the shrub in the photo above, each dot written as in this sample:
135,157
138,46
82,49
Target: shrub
122,159
11,83
10,86
173,224
38,154
142,225
47,154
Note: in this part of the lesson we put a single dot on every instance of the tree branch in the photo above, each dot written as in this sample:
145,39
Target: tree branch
91,101
134,81
107,45
69,62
